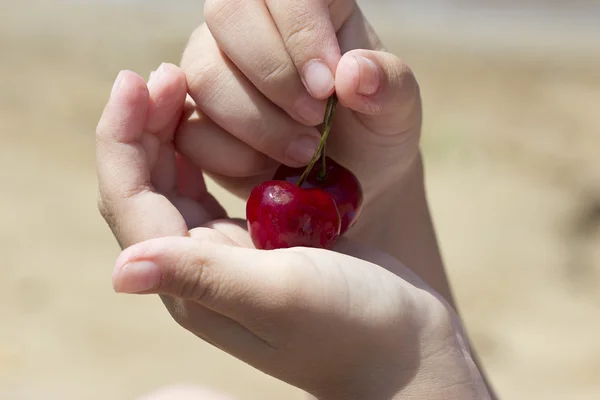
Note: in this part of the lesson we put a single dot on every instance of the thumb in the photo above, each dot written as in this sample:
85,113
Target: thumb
380,89
212,271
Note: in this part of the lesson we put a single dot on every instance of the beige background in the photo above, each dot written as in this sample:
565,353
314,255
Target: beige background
512,135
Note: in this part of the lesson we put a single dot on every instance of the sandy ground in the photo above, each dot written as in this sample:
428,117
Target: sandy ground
511,142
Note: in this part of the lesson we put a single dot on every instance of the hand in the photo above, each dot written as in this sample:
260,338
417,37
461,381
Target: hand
259,72
258,93
147,189
330,323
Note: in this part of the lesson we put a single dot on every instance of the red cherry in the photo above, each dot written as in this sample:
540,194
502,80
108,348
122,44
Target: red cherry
339,182
282,215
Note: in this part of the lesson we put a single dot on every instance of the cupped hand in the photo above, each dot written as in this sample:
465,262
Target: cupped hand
349,324
259,73
338,324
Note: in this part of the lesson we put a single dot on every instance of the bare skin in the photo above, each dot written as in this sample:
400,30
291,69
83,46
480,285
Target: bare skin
382,331
380,304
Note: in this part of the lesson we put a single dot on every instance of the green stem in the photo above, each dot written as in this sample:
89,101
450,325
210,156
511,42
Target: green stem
323,173
331,103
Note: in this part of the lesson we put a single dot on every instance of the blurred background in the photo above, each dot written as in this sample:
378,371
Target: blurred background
511,140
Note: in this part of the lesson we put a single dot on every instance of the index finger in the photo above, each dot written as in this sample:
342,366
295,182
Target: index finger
308,29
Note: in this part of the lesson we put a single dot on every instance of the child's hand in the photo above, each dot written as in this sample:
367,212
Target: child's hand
332,324
253,74
328,322
259,71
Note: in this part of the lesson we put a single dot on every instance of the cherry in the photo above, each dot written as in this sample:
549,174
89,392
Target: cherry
337,181
282,215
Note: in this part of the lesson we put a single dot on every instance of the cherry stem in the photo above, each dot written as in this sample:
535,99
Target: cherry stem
323,173
331,103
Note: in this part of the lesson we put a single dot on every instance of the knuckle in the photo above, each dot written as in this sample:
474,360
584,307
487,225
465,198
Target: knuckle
218,13
106,211
188,282
102,207
304,34
110,217
274,74
193,280
206,80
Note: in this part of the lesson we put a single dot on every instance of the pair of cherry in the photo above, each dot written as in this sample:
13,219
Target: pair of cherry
310,207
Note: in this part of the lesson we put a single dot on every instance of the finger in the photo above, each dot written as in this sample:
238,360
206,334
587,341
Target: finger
130,207
308,29
195,203
381,89
198,138
246,32
168,90
174,176
236,282
226,96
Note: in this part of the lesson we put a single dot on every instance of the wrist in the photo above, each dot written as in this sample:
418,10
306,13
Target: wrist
444,369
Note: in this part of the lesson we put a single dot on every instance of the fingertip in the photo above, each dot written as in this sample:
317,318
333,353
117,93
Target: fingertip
116,88
318,79
358,75
361,82
369,77
168,73
137,277
347,80
129,87
381,88
168,90
129,253
142,267
125,112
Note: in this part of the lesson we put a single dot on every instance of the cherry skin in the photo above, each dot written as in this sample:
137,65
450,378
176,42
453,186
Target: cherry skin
283,215
339,182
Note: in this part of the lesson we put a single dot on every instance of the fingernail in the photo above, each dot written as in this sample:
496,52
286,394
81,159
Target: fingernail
118,82
318,79
155,75
136,277
303,149
310,110
369,76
